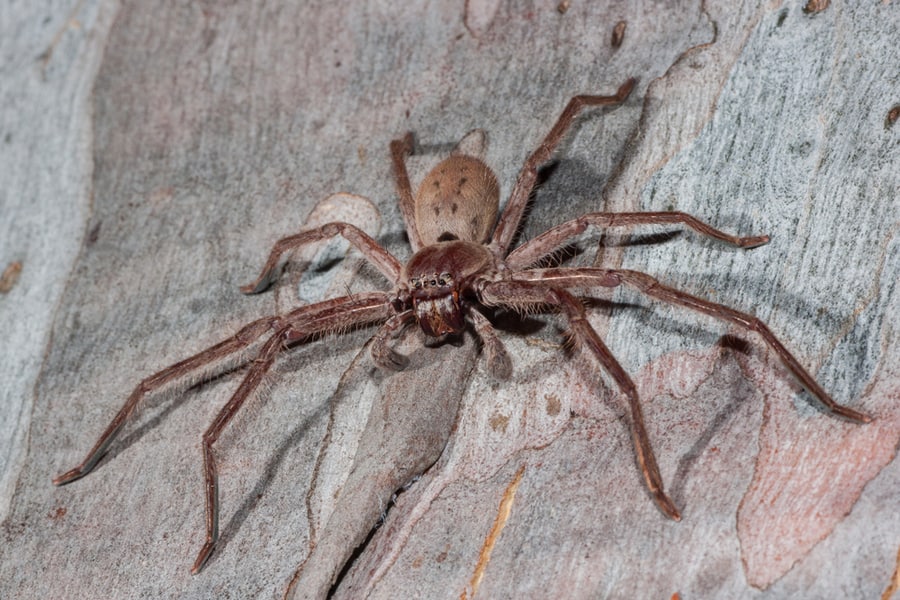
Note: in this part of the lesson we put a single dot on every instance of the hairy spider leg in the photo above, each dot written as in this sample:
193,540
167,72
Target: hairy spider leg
592,277
537,248
383,260
400,149
381,352
498,362
518,199
243,338
297,327
522,292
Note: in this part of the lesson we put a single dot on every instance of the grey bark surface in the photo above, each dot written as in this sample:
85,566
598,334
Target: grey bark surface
150,154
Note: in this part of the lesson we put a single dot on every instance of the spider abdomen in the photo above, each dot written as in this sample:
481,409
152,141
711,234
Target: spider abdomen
458,200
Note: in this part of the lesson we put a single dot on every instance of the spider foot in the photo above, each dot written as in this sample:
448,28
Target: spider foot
204,555
849,413
262,283
666,505
499,364
625,89
753,241
69,476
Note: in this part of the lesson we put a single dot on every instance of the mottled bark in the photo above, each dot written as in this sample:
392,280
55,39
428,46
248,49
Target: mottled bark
152,153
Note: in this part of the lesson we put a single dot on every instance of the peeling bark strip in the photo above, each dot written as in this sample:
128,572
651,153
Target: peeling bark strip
894,584
402,438
503,512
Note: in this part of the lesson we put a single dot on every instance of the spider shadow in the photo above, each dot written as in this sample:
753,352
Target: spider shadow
741,389
302,358
360,371
575,181
510,322
157,409
160,407
630,240
265,480
525,229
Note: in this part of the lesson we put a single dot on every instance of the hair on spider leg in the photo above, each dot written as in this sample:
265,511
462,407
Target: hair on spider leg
561,255
570,343
152,408
629,240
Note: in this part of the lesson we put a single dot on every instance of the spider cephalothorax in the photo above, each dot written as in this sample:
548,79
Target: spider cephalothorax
462,259
439,276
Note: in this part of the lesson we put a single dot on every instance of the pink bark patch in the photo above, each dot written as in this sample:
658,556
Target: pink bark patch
810,470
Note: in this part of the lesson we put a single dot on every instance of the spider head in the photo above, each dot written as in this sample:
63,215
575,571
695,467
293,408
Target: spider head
438,276
436,303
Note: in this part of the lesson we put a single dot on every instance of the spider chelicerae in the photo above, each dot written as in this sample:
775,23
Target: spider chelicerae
461,264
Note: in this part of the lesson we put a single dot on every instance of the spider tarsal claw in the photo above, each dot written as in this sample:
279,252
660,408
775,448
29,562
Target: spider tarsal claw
203,556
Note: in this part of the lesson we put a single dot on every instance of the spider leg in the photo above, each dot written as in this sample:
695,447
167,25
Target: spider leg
537,248
383,355
260,366
400,149
524,293
591,277
498,361
518,200
299,325
383,260
243,338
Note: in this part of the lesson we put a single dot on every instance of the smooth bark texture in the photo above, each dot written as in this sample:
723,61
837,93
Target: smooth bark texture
151,154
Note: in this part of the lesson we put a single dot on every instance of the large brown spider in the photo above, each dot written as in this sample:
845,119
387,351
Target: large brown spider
461,262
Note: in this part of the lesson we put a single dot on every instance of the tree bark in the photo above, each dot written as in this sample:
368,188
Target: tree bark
153,153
